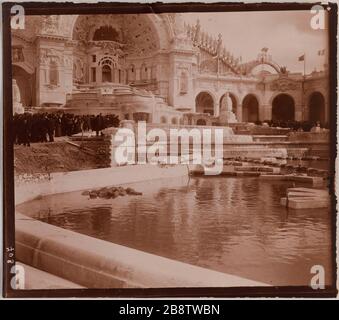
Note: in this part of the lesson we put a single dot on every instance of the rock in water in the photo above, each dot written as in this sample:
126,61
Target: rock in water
93,194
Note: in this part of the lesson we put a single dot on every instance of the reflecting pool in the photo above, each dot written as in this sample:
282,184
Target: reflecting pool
233,225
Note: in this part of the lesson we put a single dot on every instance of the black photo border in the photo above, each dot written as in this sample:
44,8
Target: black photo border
49,8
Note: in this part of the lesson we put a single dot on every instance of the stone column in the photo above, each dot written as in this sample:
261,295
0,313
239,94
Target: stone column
239,112
298,113
265,112
216,109
98,74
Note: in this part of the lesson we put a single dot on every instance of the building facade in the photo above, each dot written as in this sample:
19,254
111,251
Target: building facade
154,67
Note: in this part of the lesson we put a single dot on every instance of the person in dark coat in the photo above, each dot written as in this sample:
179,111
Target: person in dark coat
50,128
26,130
99,124
58,126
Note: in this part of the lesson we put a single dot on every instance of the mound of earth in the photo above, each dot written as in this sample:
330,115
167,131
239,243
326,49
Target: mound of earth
55,157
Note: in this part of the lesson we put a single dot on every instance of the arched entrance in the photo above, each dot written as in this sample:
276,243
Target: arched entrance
283,108
105,52
25,82
204,103
250,109
106,73
234,102
316,108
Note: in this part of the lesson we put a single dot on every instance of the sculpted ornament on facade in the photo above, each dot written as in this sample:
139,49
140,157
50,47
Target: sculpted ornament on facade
110,47
67,61
50,24
48,55
283,85
17,54
209,66
134,32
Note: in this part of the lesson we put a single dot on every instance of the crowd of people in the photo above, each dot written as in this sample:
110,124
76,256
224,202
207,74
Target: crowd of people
305,126
43,127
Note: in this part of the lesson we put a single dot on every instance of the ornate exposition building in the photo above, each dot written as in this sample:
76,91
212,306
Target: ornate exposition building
153,67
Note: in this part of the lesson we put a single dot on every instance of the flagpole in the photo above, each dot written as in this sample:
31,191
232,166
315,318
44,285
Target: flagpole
303,87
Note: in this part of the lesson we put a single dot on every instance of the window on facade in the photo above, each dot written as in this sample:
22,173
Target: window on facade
131,73
93,75
53,73
183,83
143,74
94,58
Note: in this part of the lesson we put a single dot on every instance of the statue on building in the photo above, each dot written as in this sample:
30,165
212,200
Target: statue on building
218,47
226,114
17,54
178,26
196,37
17,105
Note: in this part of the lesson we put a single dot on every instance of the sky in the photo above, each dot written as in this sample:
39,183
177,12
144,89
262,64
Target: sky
287,35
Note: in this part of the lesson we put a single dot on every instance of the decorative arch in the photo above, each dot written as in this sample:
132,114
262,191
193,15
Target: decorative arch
234,102
283,107
108,60
316,107
204,103
257,63
25,66
144,31
25,84
250,108
106,73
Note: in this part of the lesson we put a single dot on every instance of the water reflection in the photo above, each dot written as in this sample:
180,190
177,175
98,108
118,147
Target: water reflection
231,225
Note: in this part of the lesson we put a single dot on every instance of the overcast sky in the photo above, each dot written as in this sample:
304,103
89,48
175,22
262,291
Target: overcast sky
287,34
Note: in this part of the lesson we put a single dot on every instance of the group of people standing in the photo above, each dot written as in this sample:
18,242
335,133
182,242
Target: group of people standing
304,126
43,127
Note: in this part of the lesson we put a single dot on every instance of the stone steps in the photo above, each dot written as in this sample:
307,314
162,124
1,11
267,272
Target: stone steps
306,198
270,138
257,169
314,181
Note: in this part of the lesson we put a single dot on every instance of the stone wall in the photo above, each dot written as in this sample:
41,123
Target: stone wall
323,136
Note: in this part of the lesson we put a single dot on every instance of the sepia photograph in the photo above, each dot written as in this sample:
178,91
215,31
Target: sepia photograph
169,148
